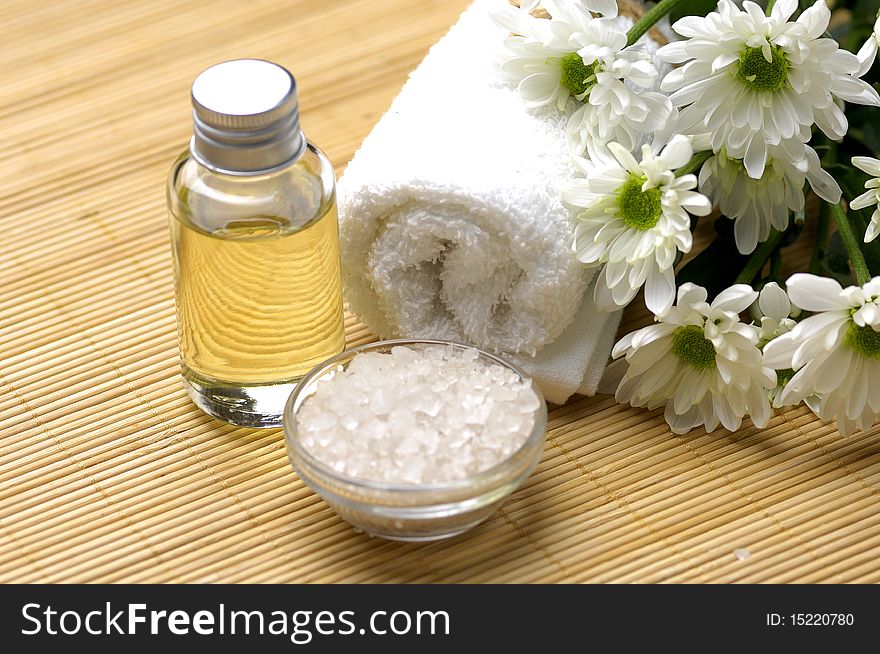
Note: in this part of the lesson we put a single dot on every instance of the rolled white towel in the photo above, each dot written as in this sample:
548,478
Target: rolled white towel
452,225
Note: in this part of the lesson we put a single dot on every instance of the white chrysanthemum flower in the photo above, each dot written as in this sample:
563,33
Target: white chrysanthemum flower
618,106
700,361
753,80
574,54
757,205
871,196
835,353
868,52
634,220
542,58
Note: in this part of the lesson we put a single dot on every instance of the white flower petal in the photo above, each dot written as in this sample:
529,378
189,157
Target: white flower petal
784,9
612,377
873,228
774,301
605,7
627,161
864,200
869,165
824,185
815,18
866,55
756,157
867,314
677,152
779,353
682,424
659,290
830,372
814,293
736,298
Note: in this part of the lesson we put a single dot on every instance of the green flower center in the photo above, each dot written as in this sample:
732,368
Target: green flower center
639,209
691,346
863,340
577,76
759,74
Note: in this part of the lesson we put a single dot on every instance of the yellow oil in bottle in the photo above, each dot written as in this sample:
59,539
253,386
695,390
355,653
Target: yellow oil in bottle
259,299
257,302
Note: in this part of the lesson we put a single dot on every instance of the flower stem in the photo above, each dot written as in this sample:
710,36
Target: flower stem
770,4
759,258
870,250
851,243
694,164
821,240
650,17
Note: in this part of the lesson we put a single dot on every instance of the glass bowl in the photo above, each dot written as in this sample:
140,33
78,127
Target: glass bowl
411,512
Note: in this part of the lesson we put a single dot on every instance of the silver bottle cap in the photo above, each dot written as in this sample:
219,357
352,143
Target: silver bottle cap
246,118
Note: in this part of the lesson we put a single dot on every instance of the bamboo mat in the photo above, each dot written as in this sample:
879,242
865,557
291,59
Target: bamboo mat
108,473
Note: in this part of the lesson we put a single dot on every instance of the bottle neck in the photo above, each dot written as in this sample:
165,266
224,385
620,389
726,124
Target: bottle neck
248,152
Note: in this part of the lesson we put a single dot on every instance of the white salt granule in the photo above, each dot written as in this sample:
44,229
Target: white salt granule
416,416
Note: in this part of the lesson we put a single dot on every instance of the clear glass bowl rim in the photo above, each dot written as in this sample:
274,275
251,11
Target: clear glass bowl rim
487,478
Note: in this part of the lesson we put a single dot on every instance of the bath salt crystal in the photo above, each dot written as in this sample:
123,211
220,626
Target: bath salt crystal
418,415
380,405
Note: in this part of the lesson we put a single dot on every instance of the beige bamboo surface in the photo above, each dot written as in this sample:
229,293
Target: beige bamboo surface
109,474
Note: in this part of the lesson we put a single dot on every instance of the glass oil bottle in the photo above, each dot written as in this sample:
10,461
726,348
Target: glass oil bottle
255,245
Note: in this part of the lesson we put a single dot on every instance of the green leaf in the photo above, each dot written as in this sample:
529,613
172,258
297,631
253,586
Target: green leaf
692,8
835,263
718,264
864,128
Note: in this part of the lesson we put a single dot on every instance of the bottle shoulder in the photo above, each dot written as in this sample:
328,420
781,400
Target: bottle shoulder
212,202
